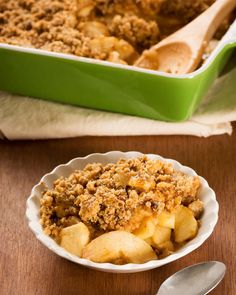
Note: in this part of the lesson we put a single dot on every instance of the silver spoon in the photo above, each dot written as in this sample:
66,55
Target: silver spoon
198,279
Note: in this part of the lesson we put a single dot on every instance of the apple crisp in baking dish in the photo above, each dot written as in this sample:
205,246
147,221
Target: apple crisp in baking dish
134,210
113,30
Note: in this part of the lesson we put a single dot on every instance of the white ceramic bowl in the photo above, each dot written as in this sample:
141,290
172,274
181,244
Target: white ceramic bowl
206,194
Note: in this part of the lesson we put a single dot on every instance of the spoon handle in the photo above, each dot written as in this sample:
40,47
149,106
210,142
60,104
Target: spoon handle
210,20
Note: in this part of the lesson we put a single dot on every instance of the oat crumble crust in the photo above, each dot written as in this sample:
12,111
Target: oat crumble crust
113,30
117,196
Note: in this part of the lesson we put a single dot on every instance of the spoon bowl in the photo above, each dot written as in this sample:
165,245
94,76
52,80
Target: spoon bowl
198,279
173,58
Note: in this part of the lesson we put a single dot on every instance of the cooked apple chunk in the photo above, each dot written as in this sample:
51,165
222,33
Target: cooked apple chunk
74,238
161,235
166,219
146,229
119,247
185,224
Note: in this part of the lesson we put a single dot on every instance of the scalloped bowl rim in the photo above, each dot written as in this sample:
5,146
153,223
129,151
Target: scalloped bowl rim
36,193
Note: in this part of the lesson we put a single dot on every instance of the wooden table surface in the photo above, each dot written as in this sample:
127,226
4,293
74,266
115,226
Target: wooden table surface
27,267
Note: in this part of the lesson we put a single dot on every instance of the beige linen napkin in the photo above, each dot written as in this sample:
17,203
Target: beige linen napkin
29,118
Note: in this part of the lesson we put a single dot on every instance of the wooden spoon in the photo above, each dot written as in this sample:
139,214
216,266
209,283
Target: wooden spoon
181,52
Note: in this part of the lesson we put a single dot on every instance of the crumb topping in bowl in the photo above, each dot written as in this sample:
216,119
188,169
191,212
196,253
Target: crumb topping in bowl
138,195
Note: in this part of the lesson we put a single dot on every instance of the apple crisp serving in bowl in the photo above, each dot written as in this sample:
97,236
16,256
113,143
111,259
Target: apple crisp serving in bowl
132,211
113,30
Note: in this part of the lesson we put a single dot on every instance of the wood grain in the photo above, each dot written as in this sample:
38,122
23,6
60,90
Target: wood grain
27,267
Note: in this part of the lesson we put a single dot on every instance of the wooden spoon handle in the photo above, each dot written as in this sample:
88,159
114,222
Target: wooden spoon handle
210,20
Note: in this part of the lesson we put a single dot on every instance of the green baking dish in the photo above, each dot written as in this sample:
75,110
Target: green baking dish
107,86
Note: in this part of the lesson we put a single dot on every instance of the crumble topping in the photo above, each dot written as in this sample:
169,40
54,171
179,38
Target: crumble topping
188,8
117,196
